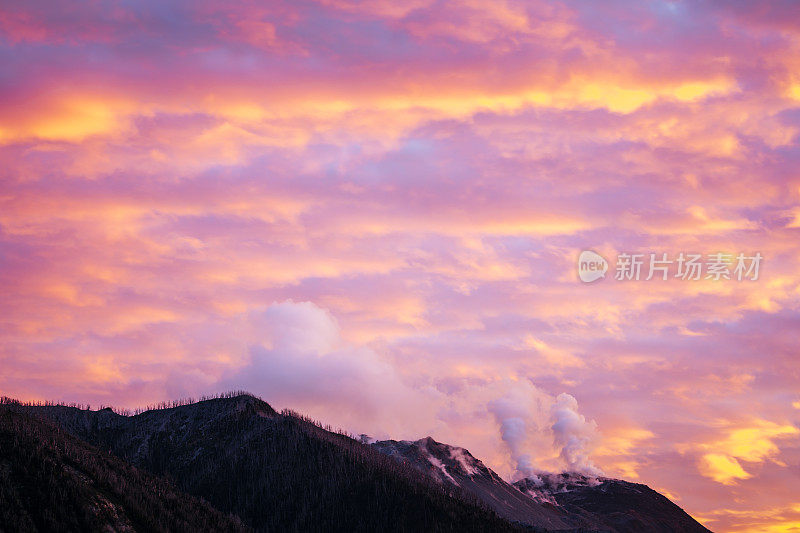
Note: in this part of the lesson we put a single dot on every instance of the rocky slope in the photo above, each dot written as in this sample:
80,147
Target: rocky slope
610,504
557,502
451,465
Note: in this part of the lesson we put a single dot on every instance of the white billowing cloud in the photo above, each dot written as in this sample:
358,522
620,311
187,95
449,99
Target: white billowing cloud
298,327
297,358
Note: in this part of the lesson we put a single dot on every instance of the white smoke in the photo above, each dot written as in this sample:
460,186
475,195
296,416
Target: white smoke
514,432
519,414
530,419
574,435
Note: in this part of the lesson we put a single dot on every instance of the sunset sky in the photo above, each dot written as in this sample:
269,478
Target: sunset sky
371,212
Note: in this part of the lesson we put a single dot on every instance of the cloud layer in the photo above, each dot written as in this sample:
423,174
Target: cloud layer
372,212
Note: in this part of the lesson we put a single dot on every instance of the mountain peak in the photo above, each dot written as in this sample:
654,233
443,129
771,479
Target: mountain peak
445,463
456,466
557,501
612,504
249,402
224,404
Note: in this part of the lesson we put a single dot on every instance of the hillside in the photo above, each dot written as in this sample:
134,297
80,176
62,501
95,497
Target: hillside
275,471
611,504
278,472
52,481
557,502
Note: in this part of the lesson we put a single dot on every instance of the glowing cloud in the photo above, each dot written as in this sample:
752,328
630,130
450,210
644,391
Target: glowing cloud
371,211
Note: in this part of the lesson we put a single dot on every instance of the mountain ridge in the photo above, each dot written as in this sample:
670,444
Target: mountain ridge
276,471
566,501
243,457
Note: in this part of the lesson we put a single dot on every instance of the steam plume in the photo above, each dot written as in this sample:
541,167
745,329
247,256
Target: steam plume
573,434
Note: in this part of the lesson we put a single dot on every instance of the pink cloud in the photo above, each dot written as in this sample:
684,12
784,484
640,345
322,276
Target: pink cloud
426,176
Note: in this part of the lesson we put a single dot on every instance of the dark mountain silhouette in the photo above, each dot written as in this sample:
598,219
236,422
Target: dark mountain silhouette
278,472
611,504
559,502
453,466
52,481
275,471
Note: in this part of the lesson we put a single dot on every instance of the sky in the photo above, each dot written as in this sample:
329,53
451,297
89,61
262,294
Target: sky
372,213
